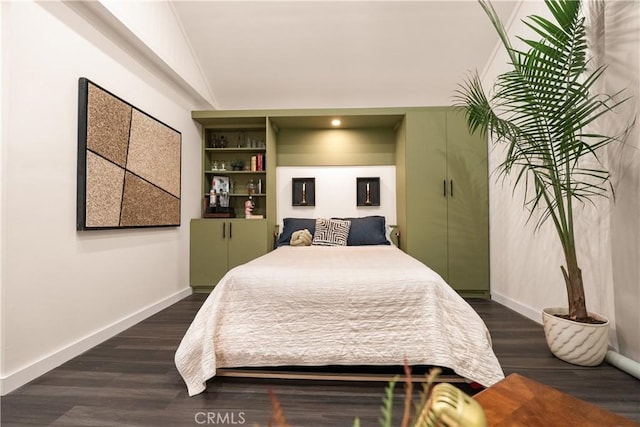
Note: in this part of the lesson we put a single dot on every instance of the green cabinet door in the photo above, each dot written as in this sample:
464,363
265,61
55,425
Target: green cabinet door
445,194
425,233
247,240
467,208
207,252
218,245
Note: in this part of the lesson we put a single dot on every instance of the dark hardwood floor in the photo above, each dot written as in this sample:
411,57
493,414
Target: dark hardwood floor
131,380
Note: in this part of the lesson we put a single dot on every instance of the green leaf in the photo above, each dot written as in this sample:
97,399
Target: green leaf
387,404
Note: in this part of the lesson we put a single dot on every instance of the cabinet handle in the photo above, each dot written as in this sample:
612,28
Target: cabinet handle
451,188
444,187
224,230
230,231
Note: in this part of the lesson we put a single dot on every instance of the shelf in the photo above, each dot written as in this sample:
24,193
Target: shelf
247,195
236,149
226,172
244,195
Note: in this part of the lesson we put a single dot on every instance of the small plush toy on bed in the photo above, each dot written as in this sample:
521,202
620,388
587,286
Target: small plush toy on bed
301,238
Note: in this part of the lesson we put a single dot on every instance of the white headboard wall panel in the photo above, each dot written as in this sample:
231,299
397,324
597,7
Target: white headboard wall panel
335,188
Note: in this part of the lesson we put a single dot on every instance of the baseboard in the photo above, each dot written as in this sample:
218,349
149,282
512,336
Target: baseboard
525,310
28,373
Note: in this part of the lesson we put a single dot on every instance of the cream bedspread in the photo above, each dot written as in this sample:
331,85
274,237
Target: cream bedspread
352,305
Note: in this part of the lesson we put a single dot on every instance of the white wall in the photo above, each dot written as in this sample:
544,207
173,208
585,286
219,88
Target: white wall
156,25
335,188
622,53
62,290
525,264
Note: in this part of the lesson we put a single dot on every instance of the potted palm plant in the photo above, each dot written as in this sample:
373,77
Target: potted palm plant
543,108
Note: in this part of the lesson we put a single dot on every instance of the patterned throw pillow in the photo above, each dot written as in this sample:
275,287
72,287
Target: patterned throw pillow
331,232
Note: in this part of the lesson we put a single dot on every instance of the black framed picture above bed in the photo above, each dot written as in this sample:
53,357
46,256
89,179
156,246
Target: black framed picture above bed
368,191
303,191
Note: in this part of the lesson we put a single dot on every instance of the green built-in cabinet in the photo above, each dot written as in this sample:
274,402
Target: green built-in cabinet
443,198
218,245
441,182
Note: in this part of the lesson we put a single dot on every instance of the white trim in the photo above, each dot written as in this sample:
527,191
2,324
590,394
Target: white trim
44,365
525,310
212,98
97,14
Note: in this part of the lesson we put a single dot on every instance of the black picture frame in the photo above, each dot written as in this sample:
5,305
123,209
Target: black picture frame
368,191
303,191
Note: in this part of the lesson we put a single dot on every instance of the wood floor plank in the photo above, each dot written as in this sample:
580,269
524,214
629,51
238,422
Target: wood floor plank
131,380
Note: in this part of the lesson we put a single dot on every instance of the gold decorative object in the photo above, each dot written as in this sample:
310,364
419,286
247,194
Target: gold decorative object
441,405
450,407
303,192
368,191
367,200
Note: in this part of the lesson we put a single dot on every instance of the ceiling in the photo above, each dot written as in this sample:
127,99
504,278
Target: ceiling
330,54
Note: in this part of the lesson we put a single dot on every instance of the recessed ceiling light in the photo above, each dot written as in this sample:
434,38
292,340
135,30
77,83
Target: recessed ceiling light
335,122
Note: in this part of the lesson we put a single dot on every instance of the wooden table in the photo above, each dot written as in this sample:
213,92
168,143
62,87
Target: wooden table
519,401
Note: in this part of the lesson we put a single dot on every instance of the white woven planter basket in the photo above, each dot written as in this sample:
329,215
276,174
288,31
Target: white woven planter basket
582,344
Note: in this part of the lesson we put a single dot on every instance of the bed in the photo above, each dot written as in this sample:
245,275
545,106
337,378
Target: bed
319,305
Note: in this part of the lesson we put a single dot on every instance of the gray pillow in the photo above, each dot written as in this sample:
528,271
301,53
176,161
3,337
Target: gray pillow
294,224
368,230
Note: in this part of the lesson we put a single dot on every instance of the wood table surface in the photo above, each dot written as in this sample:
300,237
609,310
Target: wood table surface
520,401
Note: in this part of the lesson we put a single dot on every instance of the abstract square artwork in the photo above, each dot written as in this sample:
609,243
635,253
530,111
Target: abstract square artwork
128,164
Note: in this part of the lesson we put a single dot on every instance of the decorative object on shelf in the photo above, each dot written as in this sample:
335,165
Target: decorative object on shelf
249,205
251,188
217,141
220,187
303,192
544,110
128,164
368,191
223,199
217,201
216,211
213,198
237,164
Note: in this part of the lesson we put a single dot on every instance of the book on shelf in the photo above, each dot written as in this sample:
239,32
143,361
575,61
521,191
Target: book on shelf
260,162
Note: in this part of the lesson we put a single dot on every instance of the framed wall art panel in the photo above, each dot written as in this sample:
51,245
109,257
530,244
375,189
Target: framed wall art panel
129,164
303,192
368,191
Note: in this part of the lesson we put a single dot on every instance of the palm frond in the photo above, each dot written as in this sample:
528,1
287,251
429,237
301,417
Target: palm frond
541,108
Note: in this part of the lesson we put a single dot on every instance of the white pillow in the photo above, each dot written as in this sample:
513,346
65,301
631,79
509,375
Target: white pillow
331,232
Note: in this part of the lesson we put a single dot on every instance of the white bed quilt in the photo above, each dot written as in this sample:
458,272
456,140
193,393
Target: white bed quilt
351,305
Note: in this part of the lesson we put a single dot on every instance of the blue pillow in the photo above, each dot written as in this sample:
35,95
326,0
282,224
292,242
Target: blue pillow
294,224
368,230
